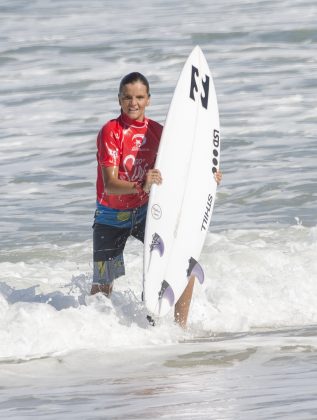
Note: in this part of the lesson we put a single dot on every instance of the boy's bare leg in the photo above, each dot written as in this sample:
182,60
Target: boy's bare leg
182,305
106,289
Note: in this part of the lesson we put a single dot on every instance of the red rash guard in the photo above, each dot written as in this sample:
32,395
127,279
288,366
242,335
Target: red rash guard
132,146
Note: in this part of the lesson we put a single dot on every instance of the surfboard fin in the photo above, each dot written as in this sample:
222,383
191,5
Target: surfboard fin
195,269
166,292
157,244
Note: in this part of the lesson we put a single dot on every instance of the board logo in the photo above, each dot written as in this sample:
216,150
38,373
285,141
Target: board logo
216,141
207,214
204,87
156,211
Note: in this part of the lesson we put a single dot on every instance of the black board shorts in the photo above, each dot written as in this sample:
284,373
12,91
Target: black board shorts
108,246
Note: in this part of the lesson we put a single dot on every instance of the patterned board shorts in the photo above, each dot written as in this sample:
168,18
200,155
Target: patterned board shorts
109,243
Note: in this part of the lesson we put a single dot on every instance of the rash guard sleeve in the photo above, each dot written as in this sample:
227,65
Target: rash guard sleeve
108,147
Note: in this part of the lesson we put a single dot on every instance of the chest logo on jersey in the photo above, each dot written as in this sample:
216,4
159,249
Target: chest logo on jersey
134,168
199,84
138,141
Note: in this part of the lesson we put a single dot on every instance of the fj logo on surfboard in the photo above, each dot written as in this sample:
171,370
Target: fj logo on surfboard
194,87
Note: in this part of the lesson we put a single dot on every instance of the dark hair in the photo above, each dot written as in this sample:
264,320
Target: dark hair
132,78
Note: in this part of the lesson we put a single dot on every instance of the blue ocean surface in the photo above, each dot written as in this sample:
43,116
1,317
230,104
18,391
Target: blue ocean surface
250,351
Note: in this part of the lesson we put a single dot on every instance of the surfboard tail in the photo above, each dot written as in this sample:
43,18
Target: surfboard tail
163,300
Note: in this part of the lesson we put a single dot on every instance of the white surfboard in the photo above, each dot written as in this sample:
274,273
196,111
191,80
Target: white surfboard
180,208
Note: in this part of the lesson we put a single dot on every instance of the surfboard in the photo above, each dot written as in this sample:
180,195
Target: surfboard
180,209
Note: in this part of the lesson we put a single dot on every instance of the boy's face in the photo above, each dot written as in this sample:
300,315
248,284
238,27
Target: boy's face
133,100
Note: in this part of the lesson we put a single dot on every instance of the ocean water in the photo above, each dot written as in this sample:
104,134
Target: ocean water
250,350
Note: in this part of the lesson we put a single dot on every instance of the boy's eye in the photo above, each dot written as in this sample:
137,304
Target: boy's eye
129,98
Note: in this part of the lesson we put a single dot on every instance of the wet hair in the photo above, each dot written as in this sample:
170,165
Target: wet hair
132,78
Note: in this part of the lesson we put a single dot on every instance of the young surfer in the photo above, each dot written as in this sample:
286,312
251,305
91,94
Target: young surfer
126,151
